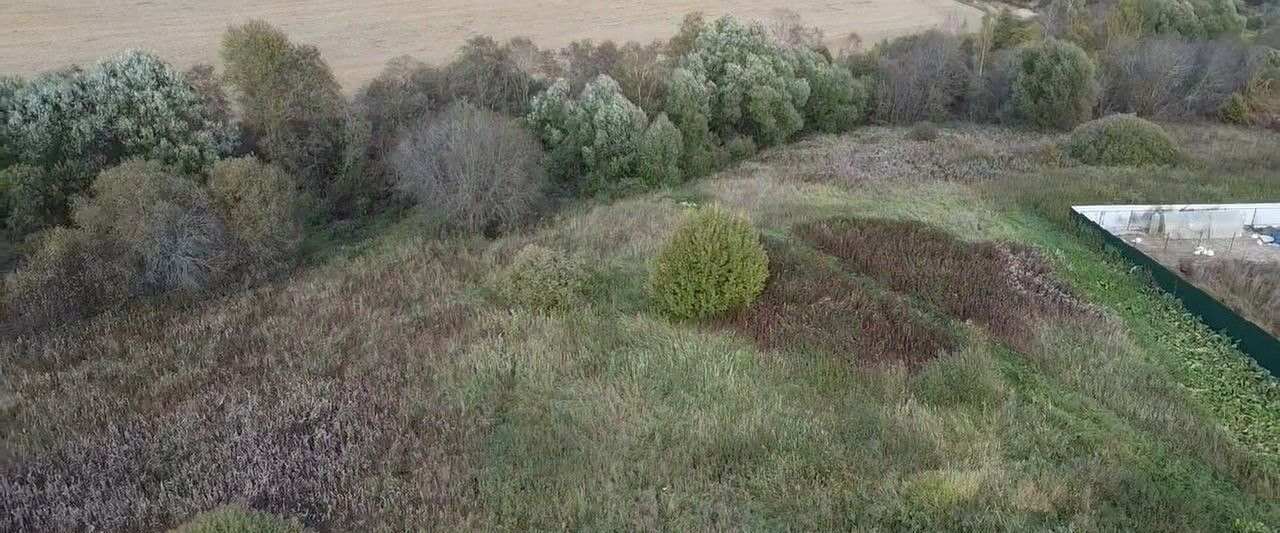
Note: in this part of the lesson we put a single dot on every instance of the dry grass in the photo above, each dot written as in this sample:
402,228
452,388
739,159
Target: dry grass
312,399
879,155
1251,288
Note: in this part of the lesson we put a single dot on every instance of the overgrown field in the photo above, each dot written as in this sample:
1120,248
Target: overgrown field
937,348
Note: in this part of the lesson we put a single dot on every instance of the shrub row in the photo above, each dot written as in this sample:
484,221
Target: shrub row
592,119
146,229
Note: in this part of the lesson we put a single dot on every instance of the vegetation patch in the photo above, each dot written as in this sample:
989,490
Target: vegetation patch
1121,140
810,303
543,278
1251,288
714,262
237,519
1002,286
472,170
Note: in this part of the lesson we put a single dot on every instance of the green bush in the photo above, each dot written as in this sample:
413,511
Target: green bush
9,86
689,106
660,153
751,83
543,278
1235,110
1008,31
610,128
598,137
71,275
489,75
837,101
236,519
472,170
292,107
712,263
129,105
30,199
739,148
1121,140
405,93
261,205
1191,19
163,222
1054,86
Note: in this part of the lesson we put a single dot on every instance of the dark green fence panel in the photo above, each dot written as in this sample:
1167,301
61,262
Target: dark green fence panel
1252,339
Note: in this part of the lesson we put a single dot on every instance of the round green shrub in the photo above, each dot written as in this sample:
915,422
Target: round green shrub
236,519
261,204
1054,86
543,278
739,148
1121,140
713,262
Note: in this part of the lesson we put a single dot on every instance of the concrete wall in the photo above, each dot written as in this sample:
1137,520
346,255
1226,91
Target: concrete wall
1187,221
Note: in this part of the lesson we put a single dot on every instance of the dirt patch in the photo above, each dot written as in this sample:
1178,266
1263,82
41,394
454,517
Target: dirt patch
358,38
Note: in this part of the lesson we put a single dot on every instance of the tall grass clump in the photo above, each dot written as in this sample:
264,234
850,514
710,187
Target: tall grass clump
1121,140
1251,288
471,170
543,279
712,263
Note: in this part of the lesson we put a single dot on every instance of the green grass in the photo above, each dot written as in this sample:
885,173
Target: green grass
425,403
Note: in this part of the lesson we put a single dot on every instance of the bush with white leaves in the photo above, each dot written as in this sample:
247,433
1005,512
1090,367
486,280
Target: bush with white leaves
130,105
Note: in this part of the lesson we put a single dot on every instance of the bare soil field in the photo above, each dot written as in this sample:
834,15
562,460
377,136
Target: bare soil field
357,37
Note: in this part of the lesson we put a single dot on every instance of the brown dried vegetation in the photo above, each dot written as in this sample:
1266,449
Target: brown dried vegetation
811,303
1251,288
1003,287
314,399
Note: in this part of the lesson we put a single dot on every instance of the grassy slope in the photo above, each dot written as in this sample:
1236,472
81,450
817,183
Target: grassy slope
423,401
